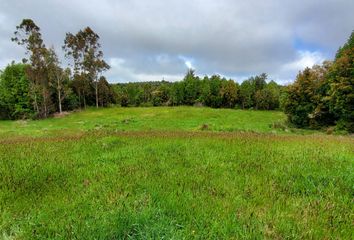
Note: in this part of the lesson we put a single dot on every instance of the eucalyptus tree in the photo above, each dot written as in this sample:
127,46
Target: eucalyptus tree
28,34
85,50
58,77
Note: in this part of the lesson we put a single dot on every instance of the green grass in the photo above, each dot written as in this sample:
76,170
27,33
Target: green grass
157,175
153,118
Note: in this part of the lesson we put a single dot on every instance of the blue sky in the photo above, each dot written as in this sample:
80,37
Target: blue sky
156,39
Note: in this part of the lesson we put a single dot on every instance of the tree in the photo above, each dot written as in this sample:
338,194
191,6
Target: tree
204,91
84,48
306,99
229,93
82,88
259,81
15,102
247,91
263,99
341,85
106,93
214,98
267,98
275,90
176,94
190,82
59,78
28,34
161,95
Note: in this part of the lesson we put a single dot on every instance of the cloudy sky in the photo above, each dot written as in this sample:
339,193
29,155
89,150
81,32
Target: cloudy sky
155,39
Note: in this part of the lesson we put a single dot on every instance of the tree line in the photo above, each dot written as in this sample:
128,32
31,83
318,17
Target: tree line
214,91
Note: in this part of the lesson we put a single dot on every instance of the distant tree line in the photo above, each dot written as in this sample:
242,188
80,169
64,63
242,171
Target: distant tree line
323,96
39,86
214,91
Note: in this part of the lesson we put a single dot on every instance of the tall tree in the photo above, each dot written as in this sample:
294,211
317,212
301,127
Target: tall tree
28,34
84,48
58,77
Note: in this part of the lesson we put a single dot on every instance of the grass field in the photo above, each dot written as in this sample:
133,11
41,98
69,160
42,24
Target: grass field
146,119
153,173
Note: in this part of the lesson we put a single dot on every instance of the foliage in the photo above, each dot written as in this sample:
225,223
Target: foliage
341,81
45,87
324,95
105,92
211,91
15,102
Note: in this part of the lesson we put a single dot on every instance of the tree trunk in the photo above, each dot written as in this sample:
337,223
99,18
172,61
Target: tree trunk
59,97
96,94
36,104
84,100
45,102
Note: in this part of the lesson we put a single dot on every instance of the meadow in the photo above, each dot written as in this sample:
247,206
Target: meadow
173,173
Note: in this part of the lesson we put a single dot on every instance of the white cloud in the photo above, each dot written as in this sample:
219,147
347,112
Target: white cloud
304,59
119,72
288,71
189,64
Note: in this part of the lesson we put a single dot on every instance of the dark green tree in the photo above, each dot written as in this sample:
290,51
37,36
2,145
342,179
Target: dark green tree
15,100
341,86
105,92
190,82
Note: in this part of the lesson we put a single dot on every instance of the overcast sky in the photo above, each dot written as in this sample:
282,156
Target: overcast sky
154,39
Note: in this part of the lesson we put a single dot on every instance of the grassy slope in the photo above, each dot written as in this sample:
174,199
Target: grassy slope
173,184
158,118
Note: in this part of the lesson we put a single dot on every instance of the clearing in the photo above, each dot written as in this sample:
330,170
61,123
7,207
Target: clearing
175,173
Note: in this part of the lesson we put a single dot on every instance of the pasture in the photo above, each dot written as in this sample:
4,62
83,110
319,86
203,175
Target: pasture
173,173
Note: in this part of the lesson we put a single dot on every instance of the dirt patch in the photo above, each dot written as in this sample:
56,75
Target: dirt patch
60,115
239,135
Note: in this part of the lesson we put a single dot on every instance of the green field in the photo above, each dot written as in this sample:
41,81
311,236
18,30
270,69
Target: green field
173,173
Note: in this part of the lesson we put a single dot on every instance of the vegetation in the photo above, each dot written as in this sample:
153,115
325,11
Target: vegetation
15,101
172,172
40,86
324,95
148,119
84,48
214,91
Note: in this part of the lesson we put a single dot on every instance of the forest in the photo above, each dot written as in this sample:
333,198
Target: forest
320,97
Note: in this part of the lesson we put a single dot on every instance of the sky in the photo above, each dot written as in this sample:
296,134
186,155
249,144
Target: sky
160,39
